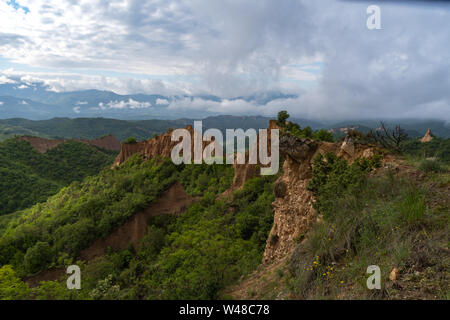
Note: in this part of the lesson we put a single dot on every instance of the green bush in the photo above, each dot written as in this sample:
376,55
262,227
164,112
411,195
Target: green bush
295,130
130,140
37,257
323,135
430,166
11,286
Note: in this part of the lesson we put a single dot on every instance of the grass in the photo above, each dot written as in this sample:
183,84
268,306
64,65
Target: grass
391,222
428,165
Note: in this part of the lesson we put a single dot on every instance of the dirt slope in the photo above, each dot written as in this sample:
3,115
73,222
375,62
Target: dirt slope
43,145
173,201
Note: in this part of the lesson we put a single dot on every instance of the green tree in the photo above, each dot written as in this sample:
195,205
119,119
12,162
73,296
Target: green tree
11,287
282,117
37,257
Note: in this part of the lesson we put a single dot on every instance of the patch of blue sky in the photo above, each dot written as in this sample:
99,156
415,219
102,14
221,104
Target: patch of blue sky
22,68
314,67
17,6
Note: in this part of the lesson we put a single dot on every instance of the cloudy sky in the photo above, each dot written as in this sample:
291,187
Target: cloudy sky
320,50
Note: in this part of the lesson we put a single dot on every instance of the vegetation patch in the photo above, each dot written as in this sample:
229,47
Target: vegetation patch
371,220
28,177
192,256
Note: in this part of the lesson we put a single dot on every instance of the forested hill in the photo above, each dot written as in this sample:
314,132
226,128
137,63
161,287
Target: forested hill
91,128
28,177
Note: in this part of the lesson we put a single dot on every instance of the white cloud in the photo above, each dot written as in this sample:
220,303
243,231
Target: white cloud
21,87
63,81
5,80
130,104
1,103
76,109
162,101
225,106
23,102
81,103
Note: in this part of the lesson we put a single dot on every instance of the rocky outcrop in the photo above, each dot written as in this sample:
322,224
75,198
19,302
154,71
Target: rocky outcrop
162,146
245,172
159,146
293,205
427,137
348,147
43,145
293,211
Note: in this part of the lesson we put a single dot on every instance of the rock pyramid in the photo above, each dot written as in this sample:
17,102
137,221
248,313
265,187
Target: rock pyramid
427,137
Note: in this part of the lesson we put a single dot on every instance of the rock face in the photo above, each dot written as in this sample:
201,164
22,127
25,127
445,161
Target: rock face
245,172
348,147
293,207
293,211
160,146
427,137
43,145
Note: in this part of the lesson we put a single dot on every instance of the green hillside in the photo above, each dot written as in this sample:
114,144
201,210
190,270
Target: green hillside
191,256
28,177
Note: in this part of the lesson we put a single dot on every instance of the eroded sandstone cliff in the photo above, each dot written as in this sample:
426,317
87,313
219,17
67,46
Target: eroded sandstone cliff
293,206
159,146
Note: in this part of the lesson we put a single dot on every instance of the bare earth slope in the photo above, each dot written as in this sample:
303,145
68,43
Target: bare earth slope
43,145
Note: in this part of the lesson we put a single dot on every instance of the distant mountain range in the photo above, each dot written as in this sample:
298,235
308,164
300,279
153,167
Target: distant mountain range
91,128
91,113
35,100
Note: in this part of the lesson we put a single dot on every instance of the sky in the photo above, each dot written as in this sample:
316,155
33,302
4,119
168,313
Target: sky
321,51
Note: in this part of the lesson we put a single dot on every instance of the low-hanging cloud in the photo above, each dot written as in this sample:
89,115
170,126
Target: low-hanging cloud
130,104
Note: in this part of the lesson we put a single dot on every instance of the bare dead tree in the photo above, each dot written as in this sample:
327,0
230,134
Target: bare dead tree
389,139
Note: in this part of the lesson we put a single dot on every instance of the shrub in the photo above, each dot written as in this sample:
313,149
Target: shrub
130,140
323,135
430,166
